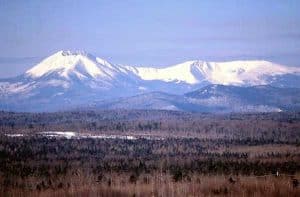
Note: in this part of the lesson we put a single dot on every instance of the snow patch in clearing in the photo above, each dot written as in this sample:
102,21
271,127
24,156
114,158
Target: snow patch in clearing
66,134
14,135
124,137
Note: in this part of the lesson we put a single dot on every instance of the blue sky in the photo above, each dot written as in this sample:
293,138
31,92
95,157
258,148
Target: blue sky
157,33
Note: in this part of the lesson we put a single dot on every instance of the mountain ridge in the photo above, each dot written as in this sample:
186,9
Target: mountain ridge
213,98
73,78
93,65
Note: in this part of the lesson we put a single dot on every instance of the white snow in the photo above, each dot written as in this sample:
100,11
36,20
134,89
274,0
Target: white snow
241,72
70,134
170,107
104,136
17,87
66,134
76,135
66,62
99,74
85,66
179,72
142,88
225,73
14,135
55,82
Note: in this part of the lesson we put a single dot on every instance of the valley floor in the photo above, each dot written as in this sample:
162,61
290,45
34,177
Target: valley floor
163,185
149,153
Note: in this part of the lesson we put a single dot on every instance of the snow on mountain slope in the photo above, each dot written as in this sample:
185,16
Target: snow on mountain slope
65,68
213,98
263,98
225,73
77,78
180,72
70,70
64,80
81,64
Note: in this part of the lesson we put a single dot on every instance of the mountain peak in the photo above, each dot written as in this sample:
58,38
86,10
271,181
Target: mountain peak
73,53
84,65
78,77
65,62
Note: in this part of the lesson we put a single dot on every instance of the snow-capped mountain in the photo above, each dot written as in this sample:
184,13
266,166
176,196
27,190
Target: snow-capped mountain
65,79
69,79
70,67
225,73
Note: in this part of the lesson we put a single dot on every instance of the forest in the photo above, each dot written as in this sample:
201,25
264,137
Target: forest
189,154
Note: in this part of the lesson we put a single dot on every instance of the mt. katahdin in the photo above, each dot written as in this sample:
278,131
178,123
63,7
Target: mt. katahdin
70,79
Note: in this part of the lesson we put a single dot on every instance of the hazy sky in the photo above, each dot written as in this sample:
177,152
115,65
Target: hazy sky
157,33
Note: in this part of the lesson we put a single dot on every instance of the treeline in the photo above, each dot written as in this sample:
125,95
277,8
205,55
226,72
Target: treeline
273,126
40,156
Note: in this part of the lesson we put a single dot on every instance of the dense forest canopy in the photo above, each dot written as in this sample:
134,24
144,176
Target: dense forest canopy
192,149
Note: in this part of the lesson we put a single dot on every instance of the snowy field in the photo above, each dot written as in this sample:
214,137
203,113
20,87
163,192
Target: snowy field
76,135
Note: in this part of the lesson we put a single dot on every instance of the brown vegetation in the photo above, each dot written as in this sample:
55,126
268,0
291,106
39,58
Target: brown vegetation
199,155
161,185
